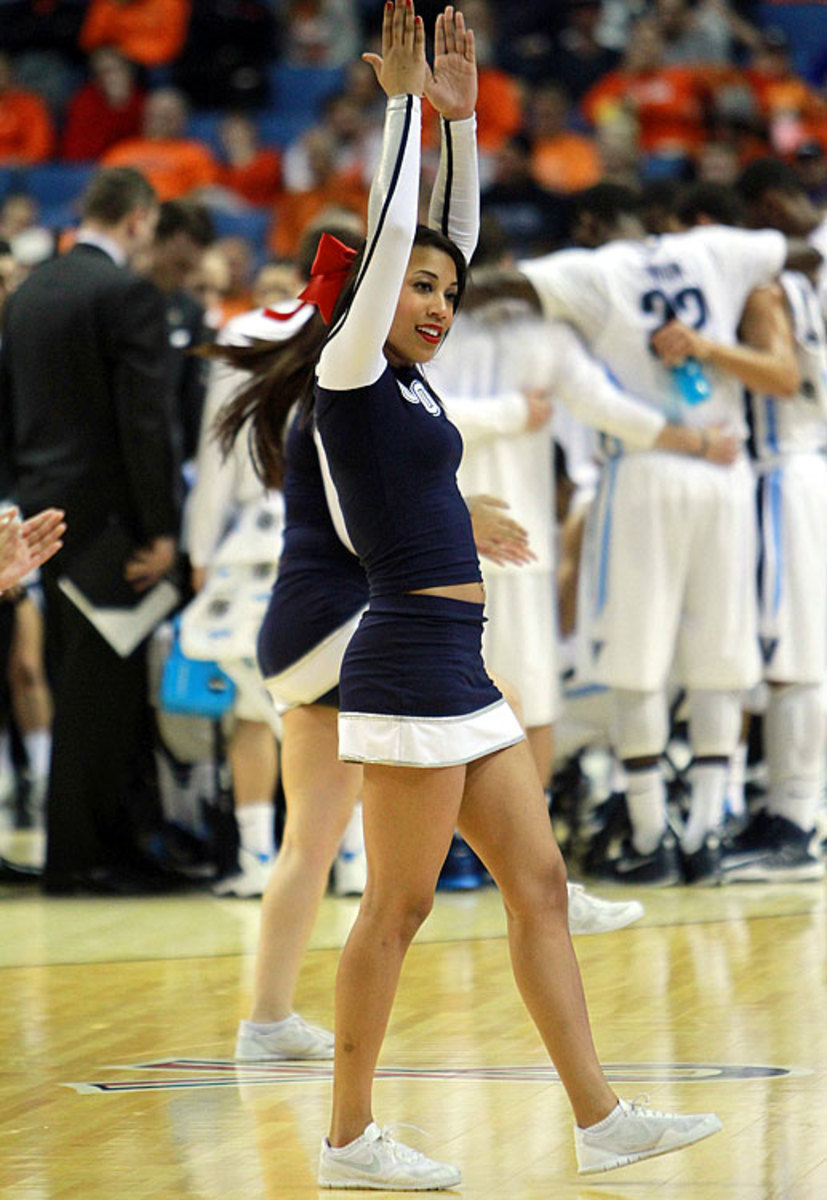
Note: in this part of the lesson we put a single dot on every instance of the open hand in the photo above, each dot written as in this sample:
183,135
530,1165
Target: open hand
26,545
402,67
452,85
497,536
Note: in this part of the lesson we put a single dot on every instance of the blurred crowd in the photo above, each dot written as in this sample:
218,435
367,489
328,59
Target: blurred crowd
263,111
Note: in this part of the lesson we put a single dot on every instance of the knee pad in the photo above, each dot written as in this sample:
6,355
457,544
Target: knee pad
640,724
714,723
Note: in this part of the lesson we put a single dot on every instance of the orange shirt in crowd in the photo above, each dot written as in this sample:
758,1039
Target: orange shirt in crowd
258,182
173,167
150,32
668,104
26,131
234,306
499,112
566,163
295,210
791,98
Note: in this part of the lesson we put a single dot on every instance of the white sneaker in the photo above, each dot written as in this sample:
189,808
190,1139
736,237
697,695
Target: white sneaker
590,914
292,1038
249,881
631,1133
376,1161
350,873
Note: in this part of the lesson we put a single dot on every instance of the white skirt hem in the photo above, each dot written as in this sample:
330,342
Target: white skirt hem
406,741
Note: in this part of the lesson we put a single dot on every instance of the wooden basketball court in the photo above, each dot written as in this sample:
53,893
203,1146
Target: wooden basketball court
118,1020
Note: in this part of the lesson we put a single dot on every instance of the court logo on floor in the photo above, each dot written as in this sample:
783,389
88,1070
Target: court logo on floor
175,1074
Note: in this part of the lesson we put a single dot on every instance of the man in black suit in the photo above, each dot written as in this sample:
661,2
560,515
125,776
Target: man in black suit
183,233
86,426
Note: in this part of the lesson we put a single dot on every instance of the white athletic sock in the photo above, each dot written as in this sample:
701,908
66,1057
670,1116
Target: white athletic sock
794,740
646,801
798,800
607,1121
256,828
6,767
706,811
264,1026
353,839
617,776
38,743
735,803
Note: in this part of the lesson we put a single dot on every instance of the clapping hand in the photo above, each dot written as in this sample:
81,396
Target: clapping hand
452,85
26,545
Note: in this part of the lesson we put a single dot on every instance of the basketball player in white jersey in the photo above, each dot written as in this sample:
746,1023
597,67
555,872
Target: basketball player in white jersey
783,327
671,544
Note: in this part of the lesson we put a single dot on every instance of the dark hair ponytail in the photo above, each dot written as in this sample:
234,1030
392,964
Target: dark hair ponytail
281,374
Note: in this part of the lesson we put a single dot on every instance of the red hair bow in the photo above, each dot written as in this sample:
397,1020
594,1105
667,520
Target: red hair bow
330,269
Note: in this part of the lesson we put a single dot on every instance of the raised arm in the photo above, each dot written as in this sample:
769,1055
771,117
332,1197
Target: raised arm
353,354
452,90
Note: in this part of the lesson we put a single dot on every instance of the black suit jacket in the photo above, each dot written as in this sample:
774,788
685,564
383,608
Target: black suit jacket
85,398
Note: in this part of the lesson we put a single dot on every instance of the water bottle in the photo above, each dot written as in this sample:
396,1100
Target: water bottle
691,382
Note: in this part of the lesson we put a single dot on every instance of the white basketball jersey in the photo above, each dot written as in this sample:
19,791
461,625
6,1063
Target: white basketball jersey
797,424
818,238
619,295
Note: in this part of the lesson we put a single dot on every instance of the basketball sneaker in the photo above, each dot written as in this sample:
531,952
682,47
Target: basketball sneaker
292,1038
702,867
660,868
590,914
250,880
377,1161
631,1133
773,849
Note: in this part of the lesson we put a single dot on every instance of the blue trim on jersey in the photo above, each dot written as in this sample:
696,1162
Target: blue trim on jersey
605,538
449,178
776,509
771,409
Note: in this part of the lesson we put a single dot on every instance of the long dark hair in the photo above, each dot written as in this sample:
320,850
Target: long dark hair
282,373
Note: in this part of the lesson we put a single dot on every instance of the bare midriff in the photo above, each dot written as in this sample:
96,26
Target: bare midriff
473,593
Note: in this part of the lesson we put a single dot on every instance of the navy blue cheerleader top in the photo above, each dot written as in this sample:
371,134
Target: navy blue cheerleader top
311,540
391,451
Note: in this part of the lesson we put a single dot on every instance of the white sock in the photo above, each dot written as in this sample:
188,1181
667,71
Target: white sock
256,828
797,800
38,743
599,1126
353,839
707,807
735,802
646,801
264,1026
794,739
617,776
6,767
